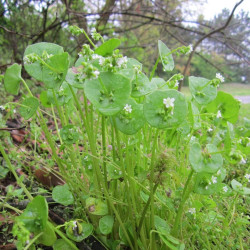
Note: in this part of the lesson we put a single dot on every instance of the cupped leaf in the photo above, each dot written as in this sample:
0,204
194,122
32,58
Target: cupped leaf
141,85
71,79
54,74
200,91
36,69
12,79
107,47
29,107
62,195
156,113
96,206
106,224
209,161
132,63
166,56
130,123
109,93
35,215
239,188
207,184
81,232
227,105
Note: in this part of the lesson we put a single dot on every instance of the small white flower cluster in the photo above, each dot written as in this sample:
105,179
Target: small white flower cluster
95,56
169,104
192,210
225,189
122,62
218,115
213,181
74,225
220,77
2,108
243,161
209,130
247,176
176,84
96,73
127,108
120,172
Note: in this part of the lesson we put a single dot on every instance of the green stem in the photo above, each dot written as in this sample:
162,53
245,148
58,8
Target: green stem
33,241
104,151
185,195
154,68
57,130
90,41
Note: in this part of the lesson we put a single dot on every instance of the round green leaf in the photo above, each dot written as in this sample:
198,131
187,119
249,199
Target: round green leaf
70,78
62,195
109,93
54,75
204,185
210,164
36,69
141,85
166,56
228,106
29,107
106,224
130,123
82,231
12,79
195,157
237,186
35,215
96,206
107,47
154,109
203,95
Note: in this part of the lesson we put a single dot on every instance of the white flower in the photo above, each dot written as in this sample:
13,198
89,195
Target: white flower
209,130
90,167
176,84
225,189
101,61
169,102
122,62
2,108
219,172
74,225
95,56
120,172
206,187
190,46
192,210
214,179
127,108
193,138
219,114
247,176
14,111
243,161
220,77
96,73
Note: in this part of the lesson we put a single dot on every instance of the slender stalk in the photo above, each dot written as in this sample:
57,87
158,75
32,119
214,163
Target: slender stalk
185,195
154,68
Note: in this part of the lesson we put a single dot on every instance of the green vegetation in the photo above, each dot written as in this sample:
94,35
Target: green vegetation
141,165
